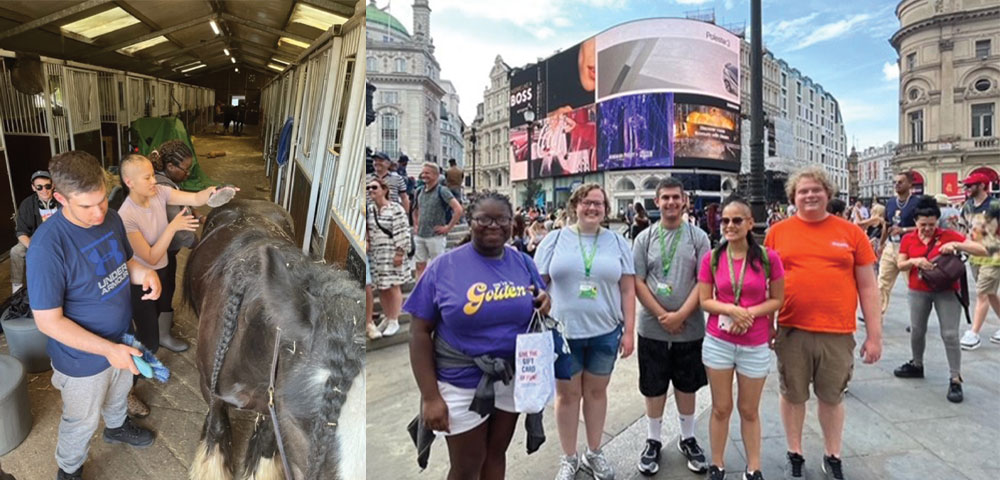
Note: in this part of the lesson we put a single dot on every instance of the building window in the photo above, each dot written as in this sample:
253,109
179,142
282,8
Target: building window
982,48
390,135
982,85
798,86
400,65
917,126
914,93
911,61
372,64
982,120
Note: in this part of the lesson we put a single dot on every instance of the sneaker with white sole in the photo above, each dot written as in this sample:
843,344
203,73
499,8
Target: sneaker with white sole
995,338
597,465
373,332
649,461
833,468
389,327
970,340
567,467
694,454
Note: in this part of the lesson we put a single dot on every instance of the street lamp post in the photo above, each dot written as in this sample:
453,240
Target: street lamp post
757,206
474,159
529,116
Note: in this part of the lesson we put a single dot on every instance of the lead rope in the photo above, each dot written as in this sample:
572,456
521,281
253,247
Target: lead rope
270,405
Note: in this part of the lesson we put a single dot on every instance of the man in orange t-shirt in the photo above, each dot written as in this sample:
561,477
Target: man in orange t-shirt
828,267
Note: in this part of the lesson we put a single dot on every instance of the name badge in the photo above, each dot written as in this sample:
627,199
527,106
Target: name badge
588,289
725,323
664,289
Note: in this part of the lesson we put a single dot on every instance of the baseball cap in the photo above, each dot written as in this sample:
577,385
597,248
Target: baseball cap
381,155
975,178
41,173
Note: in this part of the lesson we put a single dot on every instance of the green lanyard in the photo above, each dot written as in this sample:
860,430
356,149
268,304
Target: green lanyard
737,287
588,259
667,260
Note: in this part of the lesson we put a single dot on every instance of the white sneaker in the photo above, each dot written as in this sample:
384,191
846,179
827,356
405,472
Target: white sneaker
373,332
389,327
970,340
567,467
996,337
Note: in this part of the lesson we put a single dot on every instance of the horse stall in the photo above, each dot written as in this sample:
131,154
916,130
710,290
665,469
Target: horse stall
97,67
321,184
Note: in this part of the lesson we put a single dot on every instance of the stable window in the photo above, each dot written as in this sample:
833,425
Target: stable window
982,120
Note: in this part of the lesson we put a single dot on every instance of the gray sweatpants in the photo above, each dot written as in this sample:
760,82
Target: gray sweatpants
17,254
85,399
949,313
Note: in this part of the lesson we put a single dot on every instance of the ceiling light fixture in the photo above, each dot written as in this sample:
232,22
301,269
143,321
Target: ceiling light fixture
215,26
233,59
193,68
226,50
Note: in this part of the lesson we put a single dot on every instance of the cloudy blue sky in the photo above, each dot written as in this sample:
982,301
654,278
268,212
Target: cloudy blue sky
843,45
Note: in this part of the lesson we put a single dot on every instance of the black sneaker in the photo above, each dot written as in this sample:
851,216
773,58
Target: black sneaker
716,473
753,476
694,455
129,434
77,475
793,467
955,391
909,370
649,462
833,468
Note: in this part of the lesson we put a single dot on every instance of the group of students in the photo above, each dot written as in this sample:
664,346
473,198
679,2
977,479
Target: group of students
95,274
473,301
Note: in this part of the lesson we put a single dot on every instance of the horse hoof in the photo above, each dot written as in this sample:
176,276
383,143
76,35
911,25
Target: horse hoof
209,465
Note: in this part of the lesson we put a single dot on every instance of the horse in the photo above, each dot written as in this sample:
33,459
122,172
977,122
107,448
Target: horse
268,313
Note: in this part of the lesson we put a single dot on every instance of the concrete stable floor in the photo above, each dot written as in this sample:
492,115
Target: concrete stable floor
178,410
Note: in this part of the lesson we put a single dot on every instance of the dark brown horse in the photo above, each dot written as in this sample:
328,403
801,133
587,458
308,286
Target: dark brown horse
248,283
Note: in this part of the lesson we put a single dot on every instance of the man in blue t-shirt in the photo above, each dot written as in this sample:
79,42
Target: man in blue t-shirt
900,220
79,268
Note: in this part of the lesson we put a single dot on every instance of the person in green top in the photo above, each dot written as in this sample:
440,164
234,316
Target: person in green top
982,213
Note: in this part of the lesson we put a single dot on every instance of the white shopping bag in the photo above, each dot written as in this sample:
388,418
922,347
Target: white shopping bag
534,369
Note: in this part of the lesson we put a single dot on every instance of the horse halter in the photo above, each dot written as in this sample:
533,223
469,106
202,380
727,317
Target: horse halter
270,404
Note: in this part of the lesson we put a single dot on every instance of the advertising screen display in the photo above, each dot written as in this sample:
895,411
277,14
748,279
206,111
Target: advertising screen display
667,94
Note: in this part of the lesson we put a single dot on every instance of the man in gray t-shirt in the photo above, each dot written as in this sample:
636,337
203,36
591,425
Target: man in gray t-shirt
671,324
430,217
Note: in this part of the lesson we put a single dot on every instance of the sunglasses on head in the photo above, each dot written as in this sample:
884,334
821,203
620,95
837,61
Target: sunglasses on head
46,186
736,221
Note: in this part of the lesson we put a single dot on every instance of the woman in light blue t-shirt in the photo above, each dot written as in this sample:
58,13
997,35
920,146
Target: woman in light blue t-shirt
591,278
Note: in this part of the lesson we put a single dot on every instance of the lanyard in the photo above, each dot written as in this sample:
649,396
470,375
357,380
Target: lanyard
737,287
669,259
588,259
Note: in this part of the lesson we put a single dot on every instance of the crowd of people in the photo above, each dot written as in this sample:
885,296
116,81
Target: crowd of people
696,311
67,237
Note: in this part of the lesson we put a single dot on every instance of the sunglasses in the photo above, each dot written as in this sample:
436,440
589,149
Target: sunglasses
46,186
371,188
736,221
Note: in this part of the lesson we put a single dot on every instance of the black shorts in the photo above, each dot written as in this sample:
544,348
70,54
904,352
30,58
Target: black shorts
661,363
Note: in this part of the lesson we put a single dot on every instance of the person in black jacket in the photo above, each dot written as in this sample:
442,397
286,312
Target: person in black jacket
30,214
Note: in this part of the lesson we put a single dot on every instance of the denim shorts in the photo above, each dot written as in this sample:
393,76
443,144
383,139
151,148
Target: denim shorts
749,361
596,355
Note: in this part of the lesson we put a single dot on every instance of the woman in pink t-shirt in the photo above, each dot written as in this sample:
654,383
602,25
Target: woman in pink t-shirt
741,290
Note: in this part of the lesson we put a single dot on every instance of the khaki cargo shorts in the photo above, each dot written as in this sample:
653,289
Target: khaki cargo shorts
987,279
824,359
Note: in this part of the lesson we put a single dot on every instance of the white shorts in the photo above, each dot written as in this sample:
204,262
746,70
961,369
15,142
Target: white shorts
428,249
751,362
460,418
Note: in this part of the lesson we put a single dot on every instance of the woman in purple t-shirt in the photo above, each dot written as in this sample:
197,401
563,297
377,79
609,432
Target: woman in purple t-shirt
476,299
741,290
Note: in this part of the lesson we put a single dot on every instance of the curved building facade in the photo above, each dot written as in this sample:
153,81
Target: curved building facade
949,95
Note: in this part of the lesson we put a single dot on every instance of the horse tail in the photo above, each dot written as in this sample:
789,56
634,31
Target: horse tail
230,315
